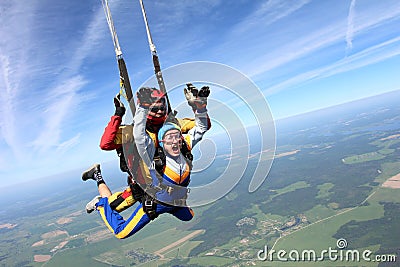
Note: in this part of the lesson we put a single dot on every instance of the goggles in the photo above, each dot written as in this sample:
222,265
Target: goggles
155,109
172,137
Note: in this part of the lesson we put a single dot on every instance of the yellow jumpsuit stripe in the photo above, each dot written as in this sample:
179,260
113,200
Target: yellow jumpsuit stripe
176,177
131,225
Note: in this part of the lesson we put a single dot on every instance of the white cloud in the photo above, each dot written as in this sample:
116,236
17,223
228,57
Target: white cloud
364,58
177,13
266,14
41,82
16,16
7,97
350,26
313,40
93,34
66,145
60,102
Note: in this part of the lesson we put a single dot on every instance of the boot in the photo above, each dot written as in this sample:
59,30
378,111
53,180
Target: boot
93,173
91,206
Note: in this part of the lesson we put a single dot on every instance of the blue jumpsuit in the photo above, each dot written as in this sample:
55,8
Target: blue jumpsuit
177,172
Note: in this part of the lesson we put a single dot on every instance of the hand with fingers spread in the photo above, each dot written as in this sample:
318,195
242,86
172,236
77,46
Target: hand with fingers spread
148,96
197,99
144,98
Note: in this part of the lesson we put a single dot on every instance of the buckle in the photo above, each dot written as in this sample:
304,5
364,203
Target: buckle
169,190
148,203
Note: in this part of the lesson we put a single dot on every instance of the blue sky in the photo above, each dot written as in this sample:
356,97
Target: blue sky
58,71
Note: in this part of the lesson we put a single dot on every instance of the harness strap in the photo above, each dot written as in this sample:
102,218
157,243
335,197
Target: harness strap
149,207
137,192
122,163
114,204
160,160
149,203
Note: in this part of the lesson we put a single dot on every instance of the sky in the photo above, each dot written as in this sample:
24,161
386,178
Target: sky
58,72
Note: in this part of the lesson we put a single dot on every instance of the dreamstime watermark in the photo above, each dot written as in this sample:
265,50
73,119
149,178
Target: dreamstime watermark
239,109
340,253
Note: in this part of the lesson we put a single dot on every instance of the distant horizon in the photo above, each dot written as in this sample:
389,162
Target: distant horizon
335,105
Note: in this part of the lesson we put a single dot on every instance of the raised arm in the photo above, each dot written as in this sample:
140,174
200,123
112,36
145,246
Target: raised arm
108,139
143,141
197,99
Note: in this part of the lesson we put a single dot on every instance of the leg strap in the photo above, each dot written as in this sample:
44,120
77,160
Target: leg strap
150,206
137,192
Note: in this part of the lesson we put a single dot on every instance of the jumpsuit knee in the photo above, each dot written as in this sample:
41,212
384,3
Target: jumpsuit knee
117,224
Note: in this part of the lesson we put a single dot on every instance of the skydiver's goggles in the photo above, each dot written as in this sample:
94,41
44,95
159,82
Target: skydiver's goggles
155,109
169,139
158,105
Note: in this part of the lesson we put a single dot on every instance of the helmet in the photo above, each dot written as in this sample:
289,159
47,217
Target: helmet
168,126
156,94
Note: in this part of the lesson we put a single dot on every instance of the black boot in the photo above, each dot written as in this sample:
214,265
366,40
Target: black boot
93,173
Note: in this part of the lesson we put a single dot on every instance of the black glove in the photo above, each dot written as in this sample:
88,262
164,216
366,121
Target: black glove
144,97
197,99
119,111
119,106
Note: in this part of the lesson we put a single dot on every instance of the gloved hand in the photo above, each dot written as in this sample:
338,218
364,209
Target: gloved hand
119,106
145,98
197,99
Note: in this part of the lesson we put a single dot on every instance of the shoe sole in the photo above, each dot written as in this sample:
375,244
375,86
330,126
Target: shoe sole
88,170
90,207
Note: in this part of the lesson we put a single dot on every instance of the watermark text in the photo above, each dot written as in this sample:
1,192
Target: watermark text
340,253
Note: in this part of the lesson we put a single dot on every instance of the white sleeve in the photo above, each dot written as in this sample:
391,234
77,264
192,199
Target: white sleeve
202,125
143,141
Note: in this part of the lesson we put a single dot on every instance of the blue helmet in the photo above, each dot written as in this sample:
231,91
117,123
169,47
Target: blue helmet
164,129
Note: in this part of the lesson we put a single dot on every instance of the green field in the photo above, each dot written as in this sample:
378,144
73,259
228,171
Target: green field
319,235
370,156
291,188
